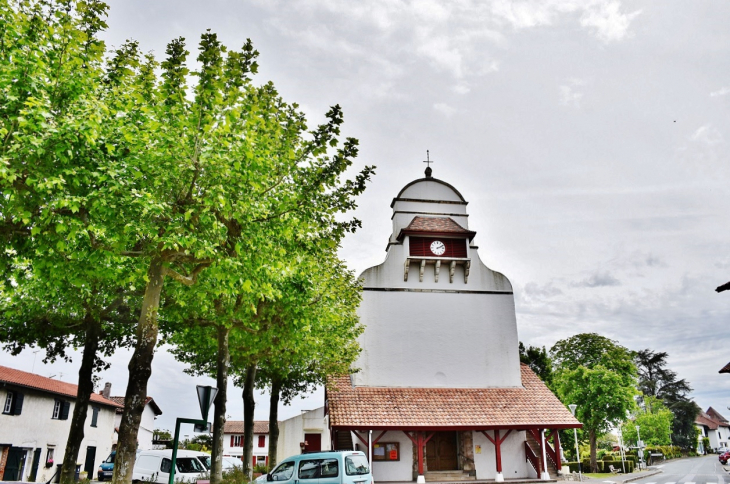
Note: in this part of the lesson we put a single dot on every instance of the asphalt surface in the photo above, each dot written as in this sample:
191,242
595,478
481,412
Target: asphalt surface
695,470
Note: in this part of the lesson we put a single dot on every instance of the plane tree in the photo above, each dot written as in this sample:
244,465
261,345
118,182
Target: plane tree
58,292
305,318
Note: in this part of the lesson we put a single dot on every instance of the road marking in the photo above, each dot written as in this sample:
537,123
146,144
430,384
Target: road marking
689,482
670,483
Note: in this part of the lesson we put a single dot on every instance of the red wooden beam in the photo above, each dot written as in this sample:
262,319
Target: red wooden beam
379,437
364,442
556,443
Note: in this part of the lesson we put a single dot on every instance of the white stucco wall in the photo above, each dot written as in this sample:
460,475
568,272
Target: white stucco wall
292,430
401,470
34,428
514,461
393,312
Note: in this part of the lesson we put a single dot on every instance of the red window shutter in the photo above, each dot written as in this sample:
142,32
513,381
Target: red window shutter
231,441
253,461
262,440
267,461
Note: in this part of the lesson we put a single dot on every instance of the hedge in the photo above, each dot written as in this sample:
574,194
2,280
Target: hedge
603,466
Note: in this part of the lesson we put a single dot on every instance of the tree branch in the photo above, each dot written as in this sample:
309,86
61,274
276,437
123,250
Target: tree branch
187,280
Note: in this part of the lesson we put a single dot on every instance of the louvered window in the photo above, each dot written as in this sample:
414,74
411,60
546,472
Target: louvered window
421,247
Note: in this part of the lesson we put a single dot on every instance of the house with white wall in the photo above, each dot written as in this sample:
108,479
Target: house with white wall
715,427
147,423
35,423
308,431
441,394
233,441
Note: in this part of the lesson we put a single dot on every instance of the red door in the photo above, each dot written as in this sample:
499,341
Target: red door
313,442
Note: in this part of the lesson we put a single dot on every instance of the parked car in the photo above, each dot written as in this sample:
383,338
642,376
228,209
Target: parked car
722,450
106,469
155,466
333,467
228,462
723,458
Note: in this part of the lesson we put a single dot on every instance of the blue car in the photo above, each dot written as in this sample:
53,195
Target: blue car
106,469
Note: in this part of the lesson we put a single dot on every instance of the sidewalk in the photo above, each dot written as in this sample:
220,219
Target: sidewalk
621,478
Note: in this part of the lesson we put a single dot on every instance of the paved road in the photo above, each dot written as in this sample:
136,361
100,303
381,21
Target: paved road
697,470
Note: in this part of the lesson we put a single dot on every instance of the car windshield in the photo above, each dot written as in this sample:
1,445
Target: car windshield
356,465
188,464
205,459
110,459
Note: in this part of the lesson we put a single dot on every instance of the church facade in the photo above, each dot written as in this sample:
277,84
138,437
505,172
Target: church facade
441,394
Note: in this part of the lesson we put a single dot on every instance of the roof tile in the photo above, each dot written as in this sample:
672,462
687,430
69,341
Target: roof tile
236,427
37,382
533,404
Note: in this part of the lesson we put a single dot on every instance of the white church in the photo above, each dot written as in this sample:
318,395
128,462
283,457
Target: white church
441,394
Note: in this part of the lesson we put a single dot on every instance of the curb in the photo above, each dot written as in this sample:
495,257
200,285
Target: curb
636,478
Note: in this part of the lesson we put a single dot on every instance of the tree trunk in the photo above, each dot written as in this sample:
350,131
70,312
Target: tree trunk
592,440
248,407
83,395
274,421
140,369
219,416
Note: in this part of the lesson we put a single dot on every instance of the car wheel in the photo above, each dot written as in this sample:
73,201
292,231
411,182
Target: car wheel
101,478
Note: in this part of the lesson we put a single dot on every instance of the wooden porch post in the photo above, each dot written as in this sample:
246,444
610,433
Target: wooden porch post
497,441
419,440
556,443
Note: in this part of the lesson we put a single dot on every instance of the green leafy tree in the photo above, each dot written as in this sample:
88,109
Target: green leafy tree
656,380
161,434
539,361
58,291
599,376
209,179
654,421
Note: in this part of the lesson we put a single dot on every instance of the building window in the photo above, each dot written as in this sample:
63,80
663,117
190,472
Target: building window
237,441
94,416
8,403
13,403
61,409
49,457
262,440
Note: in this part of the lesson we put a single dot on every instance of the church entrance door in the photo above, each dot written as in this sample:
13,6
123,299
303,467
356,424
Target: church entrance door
441,452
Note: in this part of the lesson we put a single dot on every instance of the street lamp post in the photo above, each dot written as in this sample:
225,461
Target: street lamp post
206,395
641,451
575,434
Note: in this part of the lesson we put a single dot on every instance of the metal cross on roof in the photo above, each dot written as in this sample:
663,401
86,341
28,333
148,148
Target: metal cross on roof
428,162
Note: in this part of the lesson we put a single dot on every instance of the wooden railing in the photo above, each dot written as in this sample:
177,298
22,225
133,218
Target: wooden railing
532,458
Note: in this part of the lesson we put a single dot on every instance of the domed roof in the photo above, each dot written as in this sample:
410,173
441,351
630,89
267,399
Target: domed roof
431,190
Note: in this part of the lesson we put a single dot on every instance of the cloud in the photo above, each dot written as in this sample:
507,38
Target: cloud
603,17
708,135
445,109
570,94
609,23
720,92
598,279
463,39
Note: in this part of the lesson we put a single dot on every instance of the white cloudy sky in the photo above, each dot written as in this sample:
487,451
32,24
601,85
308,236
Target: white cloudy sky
589,136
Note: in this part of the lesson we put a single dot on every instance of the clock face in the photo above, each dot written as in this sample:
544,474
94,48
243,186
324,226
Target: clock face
438,247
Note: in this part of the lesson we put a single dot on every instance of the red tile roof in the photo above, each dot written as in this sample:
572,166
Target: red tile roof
434,225
715,415
707,421
37,382
532,405
236,427
149,401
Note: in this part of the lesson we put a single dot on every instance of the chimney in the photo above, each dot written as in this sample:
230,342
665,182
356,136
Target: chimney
107,390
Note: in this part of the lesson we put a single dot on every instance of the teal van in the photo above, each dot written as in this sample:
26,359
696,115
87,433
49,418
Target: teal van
333,467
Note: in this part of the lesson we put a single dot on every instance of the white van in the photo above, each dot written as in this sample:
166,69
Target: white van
155,466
